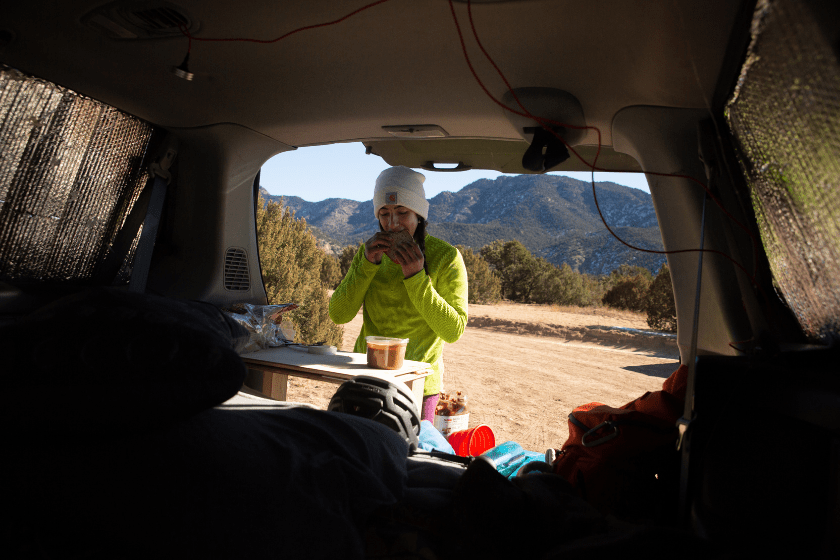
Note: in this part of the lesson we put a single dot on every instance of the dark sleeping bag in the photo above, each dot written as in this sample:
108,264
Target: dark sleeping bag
241,480
125,436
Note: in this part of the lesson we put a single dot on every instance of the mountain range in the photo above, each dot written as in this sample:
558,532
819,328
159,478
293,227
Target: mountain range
555,217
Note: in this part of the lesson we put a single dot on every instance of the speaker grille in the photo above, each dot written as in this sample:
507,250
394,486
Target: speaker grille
237,278
141,19
159,19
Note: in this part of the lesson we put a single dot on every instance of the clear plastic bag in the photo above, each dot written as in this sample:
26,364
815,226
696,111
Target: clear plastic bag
265,324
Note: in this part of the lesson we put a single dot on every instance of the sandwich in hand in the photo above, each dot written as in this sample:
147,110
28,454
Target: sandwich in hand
397,238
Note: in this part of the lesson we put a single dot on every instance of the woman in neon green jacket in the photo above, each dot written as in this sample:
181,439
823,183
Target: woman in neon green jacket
420,295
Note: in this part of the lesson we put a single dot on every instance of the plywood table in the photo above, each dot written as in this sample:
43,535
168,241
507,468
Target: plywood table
269,370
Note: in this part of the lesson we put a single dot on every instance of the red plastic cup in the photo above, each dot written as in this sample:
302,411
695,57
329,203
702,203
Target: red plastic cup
472,442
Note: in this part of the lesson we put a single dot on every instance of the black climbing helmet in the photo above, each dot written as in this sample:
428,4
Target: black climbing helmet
383,401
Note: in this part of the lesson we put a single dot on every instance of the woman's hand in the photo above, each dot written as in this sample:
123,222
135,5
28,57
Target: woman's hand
409,256
376,246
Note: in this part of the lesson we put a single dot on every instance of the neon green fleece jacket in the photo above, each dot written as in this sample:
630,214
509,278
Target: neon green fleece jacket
428,310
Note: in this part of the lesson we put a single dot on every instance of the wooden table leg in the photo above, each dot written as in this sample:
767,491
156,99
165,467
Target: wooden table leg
416,387
272,385
279,386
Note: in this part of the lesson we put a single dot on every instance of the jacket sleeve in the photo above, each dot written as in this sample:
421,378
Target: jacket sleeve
347,299
444,304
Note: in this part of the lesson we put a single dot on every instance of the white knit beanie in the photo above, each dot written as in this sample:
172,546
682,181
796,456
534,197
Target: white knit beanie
401,186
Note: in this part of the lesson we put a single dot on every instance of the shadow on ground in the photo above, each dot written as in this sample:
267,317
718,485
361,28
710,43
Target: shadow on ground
654,370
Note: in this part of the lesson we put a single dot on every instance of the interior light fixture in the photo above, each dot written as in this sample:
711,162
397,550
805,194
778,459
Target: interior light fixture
445,166
416,131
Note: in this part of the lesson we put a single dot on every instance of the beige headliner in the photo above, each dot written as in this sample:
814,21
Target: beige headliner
397,63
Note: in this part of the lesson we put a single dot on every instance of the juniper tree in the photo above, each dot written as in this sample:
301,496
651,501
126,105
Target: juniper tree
484,285
291,264
660,306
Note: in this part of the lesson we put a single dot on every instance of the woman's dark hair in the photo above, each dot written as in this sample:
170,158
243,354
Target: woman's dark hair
420,239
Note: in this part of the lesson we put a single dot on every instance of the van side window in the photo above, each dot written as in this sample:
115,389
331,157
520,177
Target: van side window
786,130
71,170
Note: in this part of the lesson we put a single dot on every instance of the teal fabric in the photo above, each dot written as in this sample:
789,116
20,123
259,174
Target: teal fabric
509,457
428,310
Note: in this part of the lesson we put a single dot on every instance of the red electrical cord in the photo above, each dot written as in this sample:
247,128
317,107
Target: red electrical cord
547,124
593,167
185,31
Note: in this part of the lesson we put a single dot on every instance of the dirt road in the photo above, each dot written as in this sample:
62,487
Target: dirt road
525,367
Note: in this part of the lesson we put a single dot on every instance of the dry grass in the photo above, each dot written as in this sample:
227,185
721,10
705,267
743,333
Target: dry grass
600,311
560,315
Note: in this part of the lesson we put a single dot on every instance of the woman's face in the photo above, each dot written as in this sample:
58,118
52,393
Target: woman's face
394,218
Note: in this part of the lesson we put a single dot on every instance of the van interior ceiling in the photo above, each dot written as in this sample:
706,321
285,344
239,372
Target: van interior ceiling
132,135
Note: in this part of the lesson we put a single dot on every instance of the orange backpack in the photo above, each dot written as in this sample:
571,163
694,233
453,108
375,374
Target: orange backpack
624,460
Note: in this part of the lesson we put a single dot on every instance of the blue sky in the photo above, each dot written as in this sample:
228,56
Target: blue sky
344,171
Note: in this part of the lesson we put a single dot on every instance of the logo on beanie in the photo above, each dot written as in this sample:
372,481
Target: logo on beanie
391,198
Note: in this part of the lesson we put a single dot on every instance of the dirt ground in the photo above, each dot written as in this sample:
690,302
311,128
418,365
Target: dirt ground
525,367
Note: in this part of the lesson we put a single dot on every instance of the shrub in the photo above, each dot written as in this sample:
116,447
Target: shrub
628,294
626,272
596,287
560,285
345,259
529,279
629,288
330,272
526,278
516,266
291,264
660,306
484,284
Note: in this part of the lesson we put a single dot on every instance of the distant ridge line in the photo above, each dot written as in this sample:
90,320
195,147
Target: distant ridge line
553,216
